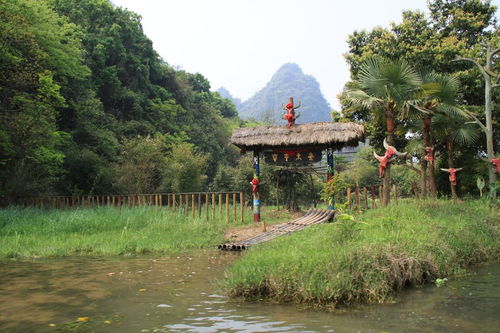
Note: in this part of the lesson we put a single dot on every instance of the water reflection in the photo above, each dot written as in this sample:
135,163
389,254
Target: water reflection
179,295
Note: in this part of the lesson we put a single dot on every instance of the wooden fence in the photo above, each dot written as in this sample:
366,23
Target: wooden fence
365,198
195,204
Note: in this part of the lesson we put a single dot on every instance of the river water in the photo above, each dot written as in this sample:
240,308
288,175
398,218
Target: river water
180,294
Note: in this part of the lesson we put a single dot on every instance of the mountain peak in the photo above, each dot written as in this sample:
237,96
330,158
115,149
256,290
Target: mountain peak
289,80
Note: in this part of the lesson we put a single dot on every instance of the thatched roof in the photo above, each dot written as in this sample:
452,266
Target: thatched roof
318,135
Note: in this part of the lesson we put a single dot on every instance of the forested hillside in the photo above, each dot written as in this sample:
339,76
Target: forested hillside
88,106
288,81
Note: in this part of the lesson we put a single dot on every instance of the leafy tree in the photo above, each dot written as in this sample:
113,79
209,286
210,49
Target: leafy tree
185,170
384,87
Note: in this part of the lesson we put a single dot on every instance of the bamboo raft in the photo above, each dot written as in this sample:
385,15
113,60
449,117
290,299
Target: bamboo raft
313,216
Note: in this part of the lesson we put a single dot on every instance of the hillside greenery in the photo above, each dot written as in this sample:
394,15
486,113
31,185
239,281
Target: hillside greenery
83,94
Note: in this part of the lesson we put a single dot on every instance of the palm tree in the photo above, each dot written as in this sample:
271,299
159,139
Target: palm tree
439,94
384,87
452,128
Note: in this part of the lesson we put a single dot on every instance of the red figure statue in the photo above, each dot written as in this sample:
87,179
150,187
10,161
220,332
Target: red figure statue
495,163
391,154
290,115
453,175
255,185
430,155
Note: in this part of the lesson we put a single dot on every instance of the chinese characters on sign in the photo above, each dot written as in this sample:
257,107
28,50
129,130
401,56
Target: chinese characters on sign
286,157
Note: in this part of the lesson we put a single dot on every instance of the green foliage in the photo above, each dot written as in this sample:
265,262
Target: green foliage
370,259
79,82
333,190
184,172
106,231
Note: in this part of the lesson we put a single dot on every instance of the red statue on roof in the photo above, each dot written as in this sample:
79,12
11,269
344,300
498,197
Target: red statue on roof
290,115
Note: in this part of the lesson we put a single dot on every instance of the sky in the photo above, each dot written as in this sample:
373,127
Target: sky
240,44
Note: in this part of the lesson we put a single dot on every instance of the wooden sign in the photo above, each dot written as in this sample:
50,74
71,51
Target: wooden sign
292,157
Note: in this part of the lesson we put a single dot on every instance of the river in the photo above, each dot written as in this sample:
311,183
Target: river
181,294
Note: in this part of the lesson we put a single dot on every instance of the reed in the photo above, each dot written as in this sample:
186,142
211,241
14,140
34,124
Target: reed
31,232
371,258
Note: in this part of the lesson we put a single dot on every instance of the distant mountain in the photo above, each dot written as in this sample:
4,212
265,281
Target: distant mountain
224,93
288,81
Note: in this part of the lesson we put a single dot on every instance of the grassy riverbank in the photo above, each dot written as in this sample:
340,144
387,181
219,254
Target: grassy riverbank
370,259
107,231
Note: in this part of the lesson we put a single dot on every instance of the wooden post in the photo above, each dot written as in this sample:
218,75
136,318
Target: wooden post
373,197
206,208
227,207
213,206
349,197
381,194
119,202
187,203
356,192
180,203
220,206
365,196
168,200
199,205
242,211
173,202
395,190
256,194
329,171
192,206
234,207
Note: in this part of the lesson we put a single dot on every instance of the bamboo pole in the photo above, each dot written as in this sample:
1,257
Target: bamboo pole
199,205
213,206
227,207
234,207
192,206
220,205
365,196
374,205
242,211
349,197
356,193
206,208
381,194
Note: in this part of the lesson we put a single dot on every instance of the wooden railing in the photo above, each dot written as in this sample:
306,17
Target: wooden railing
366,198
194,204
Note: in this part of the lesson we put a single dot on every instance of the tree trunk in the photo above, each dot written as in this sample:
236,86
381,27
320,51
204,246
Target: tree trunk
389,114
427,120
489,122
450,148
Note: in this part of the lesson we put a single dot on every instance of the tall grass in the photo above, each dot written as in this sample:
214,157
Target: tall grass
106,231
370,259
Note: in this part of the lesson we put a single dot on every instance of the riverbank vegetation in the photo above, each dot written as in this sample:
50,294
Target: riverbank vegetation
109,231
371,258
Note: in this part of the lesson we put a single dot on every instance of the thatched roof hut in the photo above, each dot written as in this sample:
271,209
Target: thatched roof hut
318,135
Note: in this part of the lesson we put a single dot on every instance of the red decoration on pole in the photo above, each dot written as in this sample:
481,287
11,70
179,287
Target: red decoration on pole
495,163
390,155
430,155
453,175
290,115
255,185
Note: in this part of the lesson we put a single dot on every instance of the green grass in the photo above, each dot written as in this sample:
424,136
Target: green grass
107,231
370,259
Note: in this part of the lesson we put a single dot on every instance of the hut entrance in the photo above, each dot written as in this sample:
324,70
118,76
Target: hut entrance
294,146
